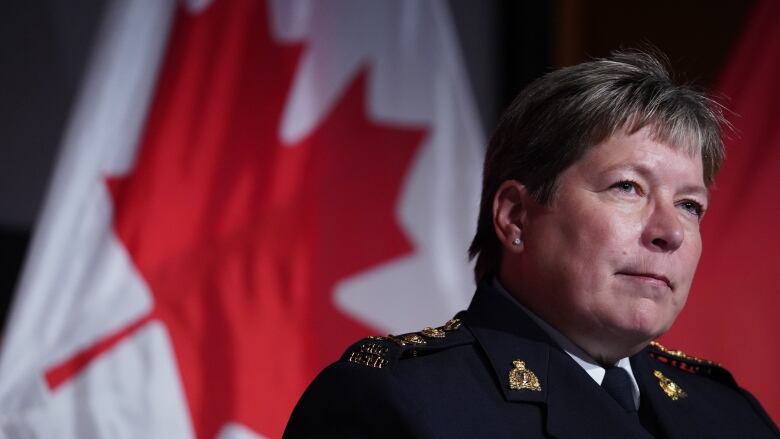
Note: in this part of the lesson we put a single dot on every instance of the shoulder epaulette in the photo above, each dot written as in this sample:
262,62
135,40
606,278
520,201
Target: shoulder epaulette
383,351
689,363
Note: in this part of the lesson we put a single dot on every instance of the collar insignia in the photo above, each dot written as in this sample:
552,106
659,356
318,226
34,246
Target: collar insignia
521,378
669,387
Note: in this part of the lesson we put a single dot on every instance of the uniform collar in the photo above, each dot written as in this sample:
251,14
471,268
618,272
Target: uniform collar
588,364
573,400
507,334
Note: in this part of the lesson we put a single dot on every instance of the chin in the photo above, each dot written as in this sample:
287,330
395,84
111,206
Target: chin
646,324
631,331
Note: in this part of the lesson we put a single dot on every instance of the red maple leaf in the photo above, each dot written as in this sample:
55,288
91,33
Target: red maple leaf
241,238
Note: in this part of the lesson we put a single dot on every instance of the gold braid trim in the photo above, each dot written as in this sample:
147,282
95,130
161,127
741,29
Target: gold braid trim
682,355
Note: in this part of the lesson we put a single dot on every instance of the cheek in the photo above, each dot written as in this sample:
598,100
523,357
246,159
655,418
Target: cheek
689,256
607,239
591,247
580,244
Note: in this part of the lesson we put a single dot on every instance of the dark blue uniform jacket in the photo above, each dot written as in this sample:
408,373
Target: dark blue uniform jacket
453,382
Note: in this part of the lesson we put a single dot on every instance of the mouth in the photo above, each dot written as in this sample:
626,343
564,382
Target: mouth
652,278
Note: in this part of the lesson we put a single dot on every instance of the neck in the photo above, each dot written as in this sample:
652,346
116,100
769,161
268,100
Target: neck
601,346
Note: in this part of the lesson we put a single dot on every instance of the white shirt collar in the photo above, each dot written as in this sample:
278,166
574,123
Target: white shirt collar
578,355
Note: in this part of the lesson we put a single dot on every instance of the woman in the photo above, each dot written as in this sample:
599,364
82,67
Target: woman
595,183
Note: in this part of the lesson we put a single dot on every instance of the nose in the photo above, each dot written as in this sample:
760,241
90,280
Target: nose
664,230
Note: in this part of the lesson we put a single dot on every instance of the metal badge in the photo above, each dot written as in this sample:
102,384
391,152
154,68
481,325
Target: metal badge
433,332
413,338
369,354
521,378
681,354
669,387
452,325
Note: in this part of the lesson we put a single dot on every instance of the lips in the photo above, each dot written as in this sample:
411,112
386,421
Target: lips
647,275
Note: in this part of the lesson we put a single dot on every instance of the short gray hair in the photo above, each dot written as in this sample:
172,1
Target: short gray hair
556,119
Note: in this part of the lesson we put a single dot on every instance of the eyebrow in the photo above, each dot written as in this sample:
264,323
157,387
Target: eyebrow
696,189
645,172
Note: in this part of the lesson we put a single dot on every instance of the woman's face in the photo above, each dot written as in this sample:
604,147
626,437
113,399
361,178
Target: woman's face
612,257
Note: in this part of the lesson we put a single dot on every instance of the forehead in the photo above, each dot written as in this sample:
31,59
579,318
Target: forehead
642,152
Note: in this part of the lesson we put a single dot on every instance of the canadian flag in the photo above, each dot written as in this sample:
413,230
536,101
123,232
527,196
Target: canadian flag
245,188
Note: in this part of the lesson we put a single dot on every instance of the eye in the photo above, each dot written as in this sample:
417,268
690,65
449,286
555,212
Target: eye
693,207
627,186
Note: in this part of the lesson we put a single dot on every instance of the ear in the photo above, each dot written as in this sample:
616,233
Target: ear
509,212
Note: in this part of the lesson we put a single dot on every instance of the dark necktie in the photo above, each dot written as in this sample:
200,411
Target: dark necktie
618,384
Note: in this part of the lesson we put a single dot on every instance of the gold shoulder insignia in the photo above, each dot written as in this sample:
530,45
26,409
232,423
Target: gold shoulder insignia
452,325
419,338
382,352
677,354
413,339
691,364
433,332
369,354
441,331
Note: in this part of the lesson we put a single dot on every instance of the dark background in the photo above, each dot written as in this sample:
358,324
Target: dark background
45,45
